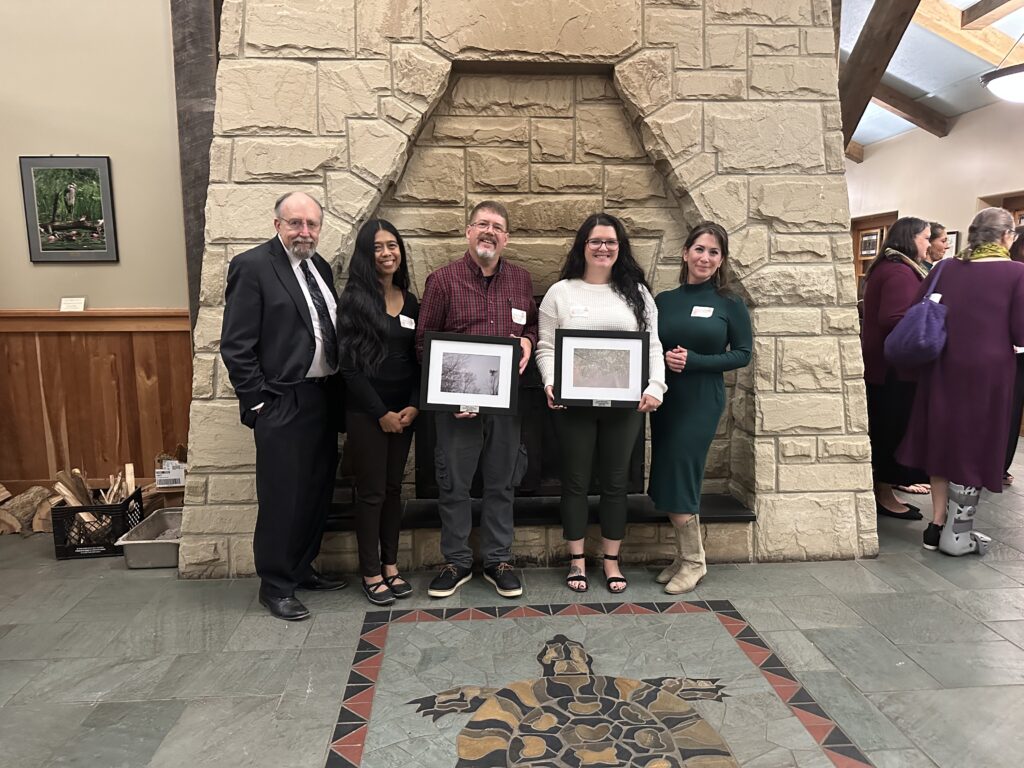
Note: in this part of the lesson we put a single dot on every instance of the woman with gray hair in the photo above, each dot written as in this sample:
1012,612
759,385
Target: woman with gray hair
960,420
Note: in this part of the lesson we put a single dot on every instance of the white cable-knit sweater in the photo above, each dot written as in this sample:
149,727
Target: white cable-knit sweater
584,306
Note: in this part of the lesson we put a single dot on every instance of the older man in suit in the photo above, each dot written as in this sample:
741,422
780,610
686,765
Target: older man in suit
281,351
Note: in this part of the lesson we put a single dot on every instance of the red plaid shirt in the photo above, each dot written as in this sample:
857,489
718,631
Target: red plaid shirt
457,299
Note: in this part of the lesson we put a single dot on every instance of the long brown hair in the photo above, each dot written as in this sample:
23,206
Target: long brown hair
717,231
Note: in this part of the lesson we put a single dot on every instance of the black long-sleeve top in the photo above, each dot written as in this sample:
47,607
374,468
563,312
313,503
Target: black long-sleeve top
396,385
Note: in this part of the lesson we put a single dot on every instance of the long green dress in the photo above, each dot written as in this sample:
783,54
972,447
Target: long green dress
715,331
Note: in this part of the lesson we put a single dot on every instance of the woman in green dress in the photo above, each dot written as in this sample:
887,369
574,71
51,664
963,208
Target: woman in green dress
705,331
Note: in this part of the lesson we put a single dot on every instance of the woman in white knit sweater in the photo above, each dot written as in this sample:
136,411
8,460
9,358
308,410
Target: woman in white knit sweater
601,287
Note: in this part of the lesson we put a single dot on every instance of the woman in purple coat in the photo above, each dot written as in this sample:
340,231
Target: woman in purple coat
890,285
960,422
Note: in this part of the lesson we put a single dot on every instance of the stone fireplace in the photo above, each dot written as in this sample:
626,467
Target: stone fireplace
662,112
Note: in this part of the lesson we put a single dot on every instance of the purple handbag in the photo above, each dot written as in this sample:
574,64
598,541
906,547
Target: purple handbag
920,335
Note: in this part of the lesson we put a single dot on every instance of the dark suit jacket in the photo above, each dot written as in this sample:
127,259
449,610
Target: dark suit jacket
267,340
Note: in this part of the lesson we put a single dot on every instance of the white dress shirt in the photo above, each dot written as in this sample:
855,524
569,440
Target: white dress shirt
319,366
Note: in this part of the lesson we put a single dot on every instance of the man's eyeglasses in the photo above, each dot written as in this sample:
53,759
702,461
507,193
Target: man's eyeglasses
296,224
483,226
611,245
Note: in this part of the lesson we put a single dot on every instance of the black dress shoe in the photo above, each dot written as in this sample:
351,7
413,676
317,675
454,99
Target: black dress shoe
322,583
912,513
287,608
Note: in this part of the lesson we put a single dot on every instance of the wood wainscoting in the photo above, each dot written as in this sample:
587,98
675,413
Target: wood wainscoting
92,389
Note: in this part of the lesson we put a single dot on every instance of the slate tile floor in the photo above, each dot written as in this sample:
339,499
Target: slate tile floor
916,657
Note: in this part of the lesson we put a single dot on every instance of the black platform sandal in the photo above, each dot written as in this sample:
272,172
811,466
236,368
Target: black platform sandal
578,576
610,580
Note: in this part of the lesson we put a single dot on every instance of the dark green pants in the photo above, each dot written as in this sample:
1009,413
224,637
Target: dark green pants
605,437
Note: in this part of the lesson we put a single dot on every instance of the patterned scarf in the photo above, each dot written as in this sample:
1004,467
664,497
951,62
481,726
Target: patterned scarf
984,251
920,270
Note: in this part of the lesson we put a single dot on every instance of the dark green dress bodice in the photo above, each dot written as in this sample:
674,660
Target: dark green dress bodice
715,331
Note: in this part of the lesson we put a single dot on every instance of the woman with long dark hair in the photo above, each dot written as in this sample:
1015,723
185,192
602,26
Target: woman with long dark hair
705,330
601,287
377,316
890,283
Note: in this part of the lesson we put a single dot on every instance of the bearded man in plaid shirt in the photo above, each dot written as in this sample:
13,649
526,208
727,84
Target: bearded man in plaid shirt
480,294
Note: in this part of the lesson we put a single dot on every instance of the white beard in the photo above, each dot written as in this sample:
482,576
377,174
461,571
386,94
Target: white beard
486,252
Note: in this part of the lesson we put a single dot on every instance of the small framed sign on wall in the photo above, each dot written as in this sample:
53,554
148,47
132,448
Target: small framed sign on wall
69,209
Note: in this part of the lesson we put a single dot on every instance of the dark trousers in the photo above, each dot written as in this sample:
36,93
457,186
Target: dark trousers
606,435
1016,413
296,461
378,460
889,406
492,441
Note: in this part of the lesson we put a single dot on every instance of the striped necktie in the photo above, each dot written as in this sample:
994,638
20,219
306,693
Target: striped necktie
330,339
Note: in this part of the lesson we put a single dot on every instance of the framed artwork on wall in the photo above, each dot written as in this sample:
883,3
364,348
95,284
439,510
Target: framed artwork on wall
600,368
470,374
69,209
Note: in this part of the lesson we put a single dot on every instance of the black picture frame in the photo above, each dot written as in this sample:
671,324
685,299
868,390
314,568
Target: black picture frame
79,190
637,343
481,389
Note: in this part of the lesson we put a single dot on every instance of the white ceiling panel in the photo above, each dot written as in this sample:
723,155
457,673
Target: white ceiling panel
878,124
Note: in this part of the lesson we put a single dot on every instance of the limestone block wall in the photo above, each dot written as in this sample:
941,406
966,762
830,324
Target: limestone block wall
733,103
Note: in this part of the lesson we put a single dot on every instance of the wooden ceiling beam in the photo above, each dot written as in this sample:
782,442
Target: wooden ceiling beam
869,58
920,115
988,44
855,152
986,12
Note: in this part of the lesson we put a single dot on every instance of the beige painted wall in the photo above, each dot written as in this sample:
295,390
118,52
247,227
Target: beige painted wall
943,180
94,79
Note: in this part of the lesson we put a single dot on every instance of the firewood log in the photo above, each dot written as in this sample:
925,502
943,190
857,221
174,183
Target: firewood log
23,506
42,522
9,523
76,487
129,481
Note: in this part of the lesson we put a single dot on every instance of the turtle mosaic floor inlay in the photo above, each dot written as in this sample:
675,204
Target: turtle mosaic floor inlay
659,685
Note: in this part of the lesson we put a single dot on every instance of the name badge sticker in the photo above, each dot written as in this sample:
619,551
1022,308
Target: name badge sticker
518,316
702,312
579,310
406,321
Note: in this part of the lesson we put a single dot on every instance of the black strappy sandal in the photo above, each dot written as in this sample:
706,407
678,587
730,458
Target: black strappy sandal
576,577
610,580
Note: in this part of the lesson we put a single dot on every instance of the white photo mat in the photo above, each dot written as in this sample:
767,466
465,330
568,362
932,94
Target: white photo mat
435,391
572,390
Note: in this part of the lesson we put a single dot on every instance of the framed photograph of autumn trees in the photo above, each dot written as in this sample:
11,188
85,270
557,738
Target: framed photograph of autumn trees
470,374
600,368
69,209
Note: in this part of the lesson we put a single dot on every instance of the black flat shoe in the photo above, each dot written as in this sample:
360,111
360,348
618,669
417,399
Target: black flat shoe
378,593
576,576
287,608
912,513
610,581
321,583
399,587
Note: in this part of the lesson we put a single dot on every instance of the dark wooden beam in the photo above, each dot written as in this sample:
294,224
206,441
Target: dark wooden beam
878,41
900,104
855,152
195,28
986,12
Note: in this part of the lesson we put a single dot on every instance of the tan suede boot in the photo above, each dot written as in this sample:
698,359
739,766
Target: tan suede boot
693,567
672,568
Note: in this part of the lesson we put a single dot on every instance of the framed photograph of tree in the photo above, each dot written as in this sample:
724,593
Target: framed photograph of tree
69,209
600,368
470,374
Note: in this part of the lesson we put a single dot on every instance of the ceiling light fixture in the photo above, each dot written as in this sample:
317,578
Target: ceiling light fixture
1006,83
